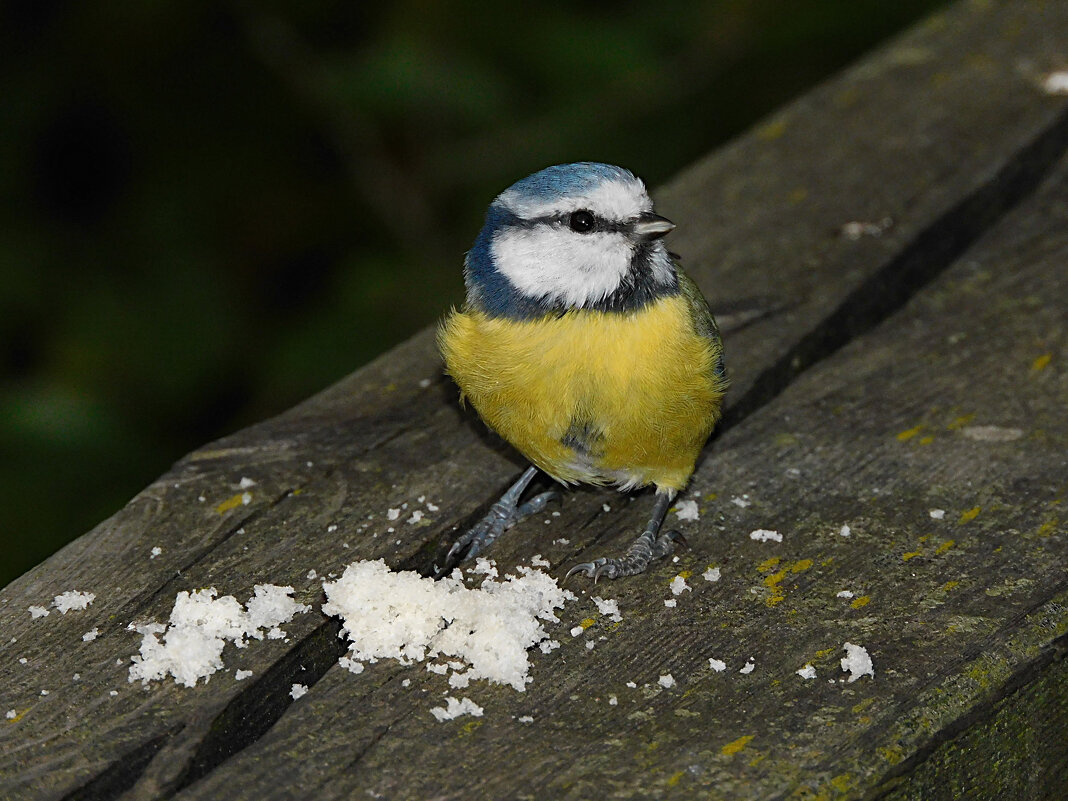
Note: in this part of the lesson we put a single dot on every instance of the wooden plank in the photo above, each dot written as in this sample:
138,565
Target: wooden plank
956,612
760,229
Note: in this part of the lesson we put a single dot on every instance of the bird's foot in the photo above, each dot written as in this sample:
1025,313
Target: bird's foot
644,550
501,516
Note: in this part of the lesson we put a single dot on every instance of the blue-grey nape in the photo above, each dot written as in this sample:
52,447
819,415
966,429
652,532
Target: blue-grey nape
562,180
487,287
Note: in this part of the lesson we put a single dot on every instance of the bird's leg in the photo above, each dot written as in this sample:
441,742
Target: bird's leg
650,545
504,514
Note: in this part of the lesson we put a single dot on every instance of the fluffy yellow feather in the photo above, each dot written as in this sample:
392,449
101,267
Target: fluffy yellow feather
590,396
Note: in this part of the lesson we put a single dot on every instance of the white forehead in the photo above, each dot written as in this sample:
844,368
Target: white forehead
613,199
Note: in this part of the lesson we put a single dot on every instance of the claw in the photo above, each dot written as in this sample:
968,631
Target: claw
676,536
585,567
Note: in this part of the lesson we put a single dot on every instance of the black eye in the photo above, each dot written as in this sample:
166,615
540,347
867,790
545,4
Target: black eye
581,221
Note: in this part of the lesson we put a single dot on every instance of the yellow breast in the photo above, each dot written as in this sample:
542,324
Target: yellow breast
599,397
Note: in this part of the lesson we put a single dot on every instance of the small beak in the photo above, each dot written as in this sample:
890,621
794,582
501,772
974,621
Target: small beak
651,226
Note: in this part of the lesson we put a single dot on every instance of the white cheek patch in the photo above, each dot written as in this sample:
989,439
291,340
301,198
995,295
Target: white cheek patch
548,262
612,200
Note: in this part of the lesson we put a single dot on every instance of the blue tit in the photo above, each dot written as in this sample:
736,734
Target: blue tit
585,346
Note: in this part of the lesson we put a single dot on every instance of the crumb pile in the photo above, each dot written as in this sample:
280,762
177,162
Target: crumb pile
190,647
403,616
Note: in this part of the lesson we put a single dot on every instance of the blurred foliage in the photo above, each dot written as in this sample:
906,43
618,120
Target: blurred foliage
209,211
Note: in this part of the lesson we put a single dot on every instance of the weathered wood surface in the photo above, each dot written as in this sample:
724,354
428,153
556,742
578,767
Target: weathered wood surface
861,370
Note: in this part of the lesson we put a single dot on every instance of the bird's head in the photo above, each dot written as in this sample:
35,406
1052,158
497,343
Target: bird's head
572,236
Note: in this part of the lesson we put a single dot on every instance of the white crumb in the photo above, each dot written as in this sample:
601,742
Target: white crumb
666,681
454,708
671,603
679,586
189,647
245,483
431,507
687,510
537,561
23,660
632,685
590,645
11,714
113,693
72,599
525,719
1056,83
486,566
712,574
741,501
845,594
937,514
91,635
353,665
605,507
717,665
403,616
548,646
845,531
434,667
298,691
312,575
156,551
392,514
331,528
241,675
246,498
417,515
609,607
576,630
763,535
37,611
749,665
561,541
44,692
992,433
612,700
807,672
857,662
76,677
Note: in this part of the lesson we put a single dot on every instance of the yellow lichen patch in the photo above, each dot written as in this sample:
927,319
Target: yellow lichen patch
676,778
757,759
909,433
685,574
1047,528
863,600
925,537
910,555
842,782
772,130
892,754
961,421
18,716
587,622
926,440
971,514
1042,362
469,727
736,745
232,503
772,583
711,496
945,546
800,566
768,564
949,585
825,652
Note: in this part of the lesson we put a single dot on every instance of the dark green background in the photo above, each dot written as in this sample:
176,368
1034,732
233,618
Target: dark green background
209,211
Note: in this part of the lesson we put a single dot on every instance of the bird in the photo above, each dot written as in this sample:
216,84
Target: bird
584,345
